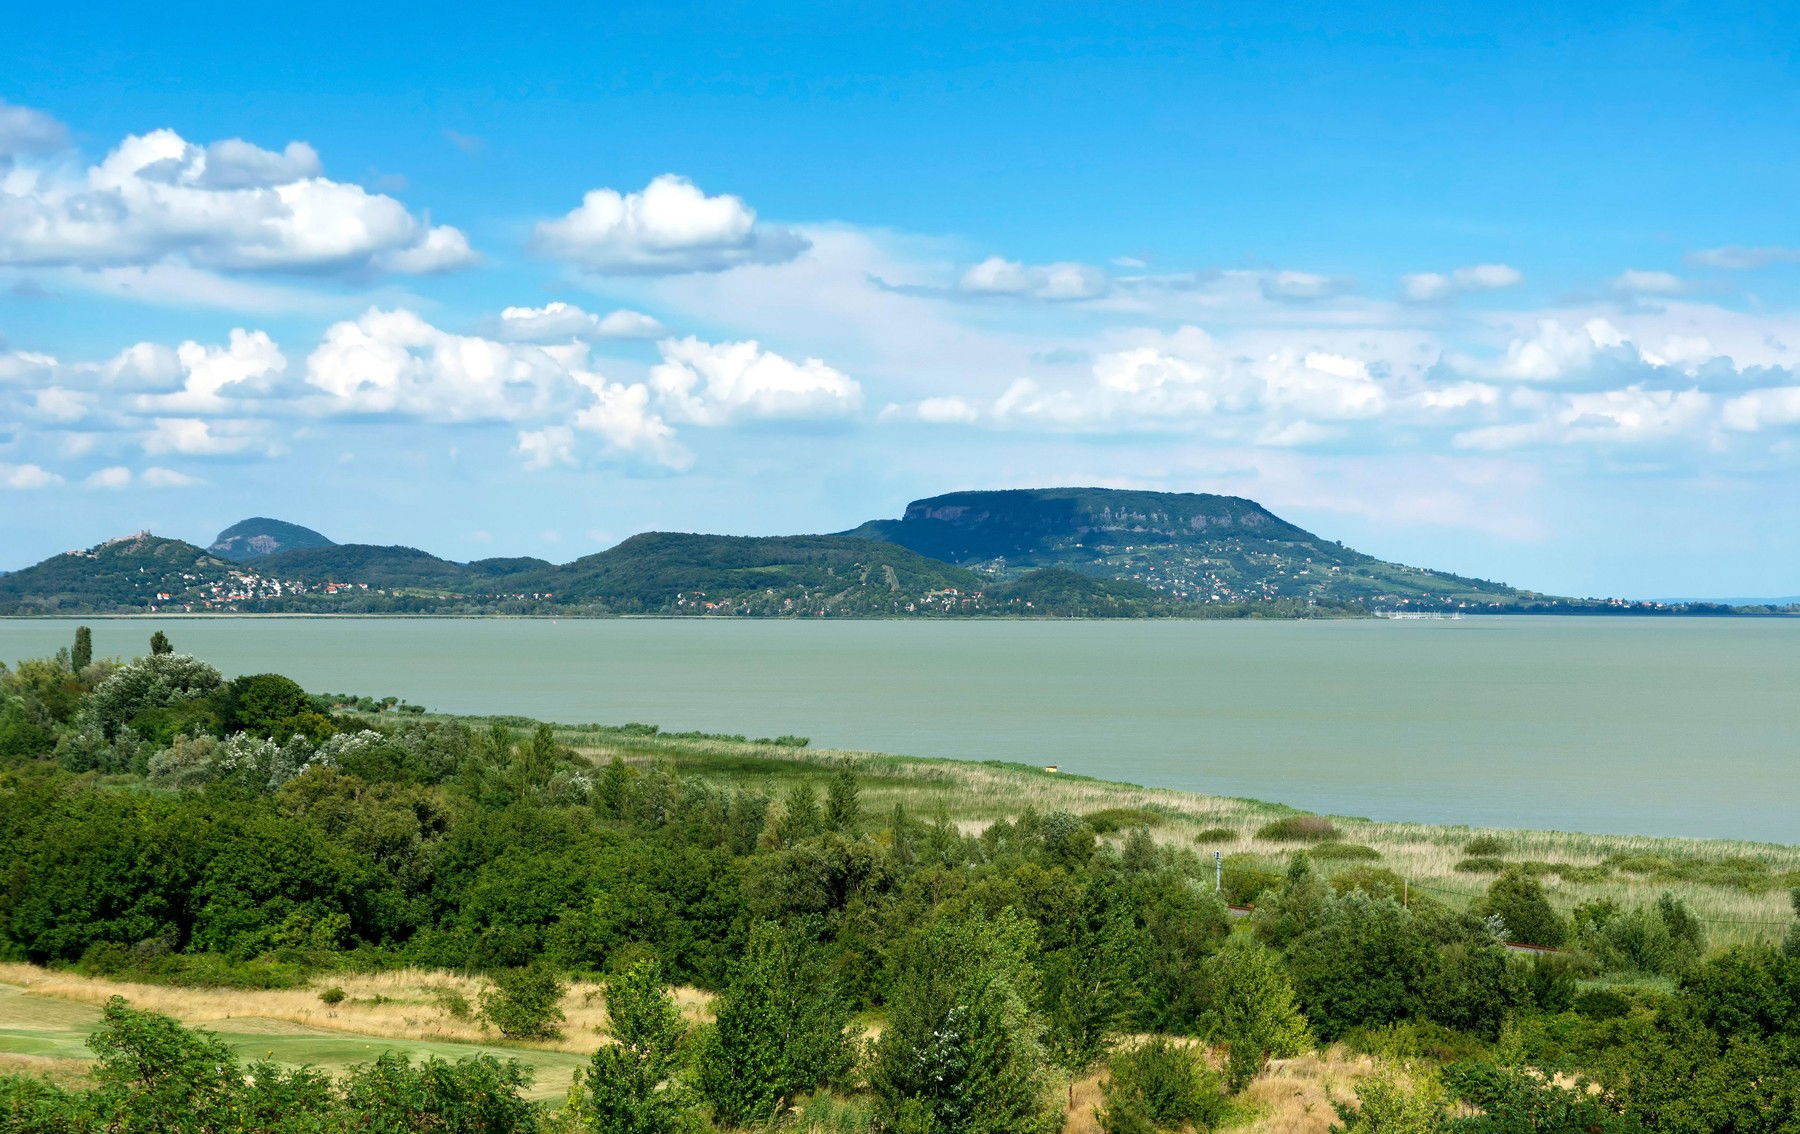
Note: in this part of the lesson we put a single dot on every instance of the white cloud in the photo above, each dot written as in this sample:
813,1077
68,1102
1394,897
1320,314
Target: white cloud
717,383
560,321
1763,409
551,445
621,417
157,198
118,476
1554,351
215,380
1301,286
669,226
1430,287
158,477
1637,281
1633,415
394,362
22,367
1739,257
26,477
27,131
1060,281
197,437
58,404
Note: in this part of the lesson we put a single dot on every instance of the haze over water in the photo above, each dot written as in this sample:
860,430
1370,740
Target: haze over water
1643,726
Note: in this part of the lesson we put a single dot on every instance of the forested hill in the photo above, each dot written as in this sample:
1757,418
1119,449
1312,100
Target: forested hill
1192,547
653,573
1089,552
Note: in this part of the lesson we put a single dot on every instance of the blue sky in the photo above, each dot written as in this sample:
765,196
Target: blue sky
1505,289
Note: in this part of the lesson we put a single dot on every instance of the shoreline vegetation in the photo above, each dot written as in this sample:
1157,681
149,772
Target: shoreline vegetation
569,927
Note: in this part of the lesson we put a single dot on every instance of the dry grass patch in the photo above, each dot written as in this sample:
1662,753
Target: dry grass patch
401,1004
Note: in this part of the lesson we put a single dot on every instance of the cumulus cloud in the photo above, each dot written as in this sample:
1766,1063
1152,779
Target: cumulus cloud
1432,287
198,437
27,131
1767,408
668,227
1060,281
1739,257
231,205
558,321
621,417
551,445
1633,415
717,383
23,478
394,362
158,477
118,476
214,380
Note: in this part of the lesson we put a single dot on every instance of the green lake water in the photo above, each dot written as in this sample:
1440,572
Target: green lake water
1633,725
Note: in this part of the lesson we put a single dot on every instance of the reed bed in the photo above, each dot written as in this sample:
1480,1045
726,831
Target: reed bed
972,795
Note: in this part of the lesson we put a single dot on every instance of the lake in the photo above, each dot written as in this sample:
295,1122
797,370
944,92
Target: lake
1659,726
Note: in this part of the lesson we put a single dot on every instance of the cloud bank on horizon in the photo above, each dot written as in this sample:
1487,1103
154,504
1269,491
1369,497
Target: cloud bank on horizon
648,331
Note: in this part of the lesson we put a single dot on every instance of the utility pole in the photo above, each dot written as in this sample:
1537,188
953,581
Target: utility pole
1218,871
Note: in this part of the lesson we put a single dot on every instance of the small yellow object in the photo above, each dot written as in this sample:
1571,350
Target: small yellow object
1049,767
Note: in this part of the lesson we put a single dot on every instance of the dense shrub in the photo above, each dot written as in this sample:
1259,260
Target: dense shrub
1523,910
1334,851
1244,877
1486,846
1216,835
1112,820
1298,829
1160,1085
1484,864
525,1003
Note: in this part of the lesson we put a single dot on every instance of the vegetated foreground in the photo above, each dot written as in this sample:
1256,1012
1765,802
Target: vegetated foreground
683,932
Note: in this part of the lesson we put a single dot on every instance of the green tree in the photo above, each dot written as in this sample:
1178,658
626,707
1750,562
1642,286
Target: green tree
83,654
1159,1085
1387,1103
159,644
1091,983
525,1003
800,815
961,1053
843,802
1791,943
1518,900
264,703
1250,1007
633,1085
479,1095
781,1029
1366,964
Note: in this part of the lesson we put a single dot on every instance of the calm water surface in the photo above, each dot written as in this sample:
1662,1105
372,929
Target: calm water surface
1654,726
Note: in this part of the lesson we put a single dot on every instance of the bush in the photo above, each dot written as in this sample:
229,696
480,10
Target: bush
1485,864
1298,829
1114,819
1242,877
525,1003
1375,881
1486,846
1216,835
1160,1085
1416,1039
332,996
453,1002
1518,900
1334,851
